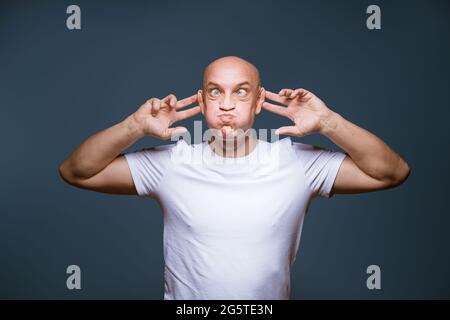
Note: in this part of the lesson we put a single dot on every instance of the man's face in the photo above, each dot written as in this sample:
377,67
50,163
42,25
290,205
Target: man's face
231,96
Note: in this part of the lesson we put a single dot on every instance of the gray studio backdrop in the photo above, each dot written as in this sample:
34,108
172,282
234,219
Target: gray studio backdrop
59,86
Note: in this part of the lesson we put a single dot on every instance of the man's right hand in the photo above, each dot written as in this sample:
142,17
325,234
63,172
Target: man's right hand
97,164
155,116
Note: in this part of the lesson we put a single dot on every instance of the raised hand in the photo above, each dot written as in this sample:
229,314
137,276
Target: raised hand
155,116
307,111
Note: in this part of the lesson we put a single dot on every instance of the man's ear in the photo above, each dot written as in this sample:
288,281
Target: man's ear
261,98
200,101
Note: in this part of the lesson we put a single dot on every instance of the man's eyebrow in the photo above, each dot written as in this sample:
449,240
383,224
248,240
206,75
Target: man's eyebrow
245,83
211,83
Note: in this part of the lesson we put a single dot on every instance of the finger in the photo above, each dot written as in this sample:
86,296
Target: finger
148,105
171,100
181,115
172,132
294,93
156,105
282,111
285,92
275,97
186,101
288,130
298,93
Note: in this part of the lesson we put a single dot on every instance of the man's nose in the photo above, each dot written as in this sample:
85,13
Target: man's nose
227,104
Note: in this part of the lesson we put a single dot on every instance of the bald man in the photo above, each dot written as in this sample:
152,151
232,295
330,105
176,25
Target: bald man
234,204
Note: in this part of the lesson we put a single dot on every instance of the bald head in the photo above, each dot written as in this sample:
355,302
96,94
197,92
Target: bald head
230,65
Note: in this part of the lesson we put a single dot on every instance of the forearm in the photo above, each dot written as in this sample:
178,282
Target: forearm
101,149
369,152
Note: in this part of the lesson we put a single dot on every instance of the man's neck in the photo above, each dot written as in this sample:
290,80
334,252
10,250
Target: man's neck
239,147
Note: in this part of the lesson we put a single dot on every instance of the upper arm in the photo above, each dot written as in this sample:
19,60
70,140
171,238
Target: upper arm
351,179
115,178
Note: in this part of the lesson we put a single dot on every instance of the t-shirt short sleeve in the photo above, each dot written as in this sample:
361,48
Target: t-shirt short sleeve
148,166
320,165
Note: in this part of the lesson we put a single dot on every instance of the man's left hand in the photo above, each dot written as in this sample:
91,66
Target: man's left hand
308,112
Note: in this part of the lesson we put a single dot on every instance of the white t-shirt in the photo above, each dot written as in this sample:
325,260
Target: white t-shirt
232,226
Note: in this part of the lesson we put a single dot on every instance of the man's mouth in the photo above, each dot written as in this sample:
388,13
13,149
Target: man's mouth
226,116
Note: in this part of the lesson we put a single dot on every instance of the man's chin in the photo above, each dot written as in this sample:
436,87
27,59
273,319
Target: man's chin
228,132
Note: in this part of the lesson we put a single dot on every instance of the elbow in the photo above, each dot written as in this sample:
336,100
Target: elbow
69,175
62,173
65,174
401,175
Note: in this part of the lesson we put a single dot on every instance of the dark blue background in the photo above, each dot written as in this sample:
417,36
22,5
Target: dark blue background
58,87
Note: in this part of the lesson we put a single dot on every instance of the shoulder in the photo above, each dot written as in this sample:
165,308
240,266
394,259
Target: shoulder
160,155
307,151
309,155
163,149
291,149
304,148
281,151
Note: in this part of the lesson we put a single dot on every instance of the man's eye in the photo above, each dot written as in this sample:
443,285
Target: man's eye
241,92
215,92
